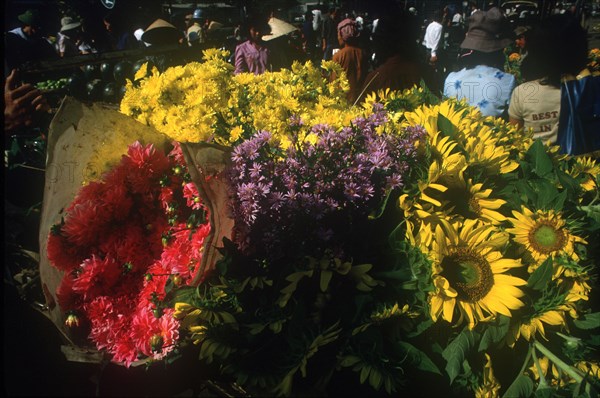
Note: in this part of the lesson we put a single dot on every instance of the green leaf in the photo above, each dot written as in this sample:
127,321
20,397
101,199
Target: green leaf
494,332
185,294
521,387
559,202
542,164
588,321
455,353
419,358
540,278
546,193
446,126
379,213
544,392
568,182
421,327
592,212
525,190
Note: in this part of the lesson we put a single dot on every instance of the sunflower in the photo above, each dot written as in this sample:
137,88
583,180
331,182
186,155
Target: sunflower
490,387
535,325
551,373
486,150
474,202
468,273
589,170
543,234
589,368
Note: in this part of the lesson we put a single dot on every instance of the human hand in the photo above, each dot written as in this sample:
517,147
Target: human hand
433,59
22,103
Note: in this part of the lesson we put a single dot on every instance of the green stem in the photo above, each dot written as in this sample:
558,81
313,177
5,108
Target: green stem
559,362
536,362
523,367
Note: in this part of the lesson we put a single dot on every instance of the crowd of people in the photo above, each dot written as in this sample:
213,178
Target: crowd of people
394,50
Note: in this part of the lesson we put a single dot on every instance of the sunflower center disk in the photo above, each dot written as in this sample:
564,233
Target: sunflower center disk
469,274
546,238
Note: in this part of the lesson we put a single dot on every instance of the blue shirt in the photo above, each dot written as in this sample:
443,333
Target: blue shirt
485,87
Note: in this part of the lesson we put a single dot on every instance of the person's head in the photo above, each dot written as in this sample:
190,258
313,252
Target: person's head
31,23
558,46
488,32
521,33
437,15
257,27
188,20
111,22
161,33
397,33
347,32
69,26
197,16
308,16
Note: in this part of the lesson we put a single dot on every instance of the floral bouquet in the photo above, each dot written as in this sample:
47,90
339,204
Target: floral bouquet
123,243
594,60
410,245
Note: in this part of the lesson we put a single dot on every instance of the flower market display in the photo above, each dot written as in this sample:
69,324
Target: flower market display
407,245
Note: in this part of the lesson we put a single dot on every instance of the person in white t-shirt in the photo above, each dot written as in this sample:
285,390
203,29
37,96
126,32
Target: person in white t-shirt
433,41
536,105
557,47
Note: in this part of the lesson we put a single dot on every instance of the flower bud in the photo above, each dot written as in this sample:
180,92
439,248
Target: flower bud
177,279
127,267
156,342
72,320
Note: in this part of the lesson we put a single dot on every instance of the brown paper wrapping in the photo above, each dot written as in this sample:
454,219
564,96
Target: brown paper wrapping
84,141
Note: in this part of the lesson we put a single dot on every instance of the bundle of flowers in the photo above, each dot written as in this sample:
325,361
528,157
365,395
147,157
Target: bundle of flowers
507,236
512,63
307,198
123,243
410,245
486,257
204,102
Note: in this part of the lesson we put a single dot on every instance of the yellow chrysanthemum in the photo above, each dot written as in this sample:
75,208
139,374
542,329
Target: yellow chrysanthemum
514,57
469,274
543,234
490,387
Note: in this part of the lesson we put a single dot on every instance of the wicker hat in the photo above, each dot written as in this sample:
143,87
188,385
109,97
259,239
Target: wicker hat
277,28
30,18
161,32
487,31
68,23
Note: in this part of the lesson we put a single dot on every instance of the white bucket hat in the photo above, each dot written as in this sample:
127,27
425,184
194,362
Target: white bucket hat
68,23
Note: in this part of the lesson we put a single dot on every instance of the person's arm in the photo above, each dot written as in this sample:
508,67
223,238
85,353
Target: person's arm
22,104
514,110
240,61
436,35
516,122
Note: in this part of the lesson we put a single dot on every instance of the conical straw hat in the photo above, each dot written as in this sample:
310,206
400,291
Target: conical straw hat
161,32
278,28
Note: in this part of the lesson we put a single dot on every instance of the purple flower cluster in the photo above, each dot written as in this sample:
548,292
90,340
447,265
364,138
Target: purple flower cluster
307,197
